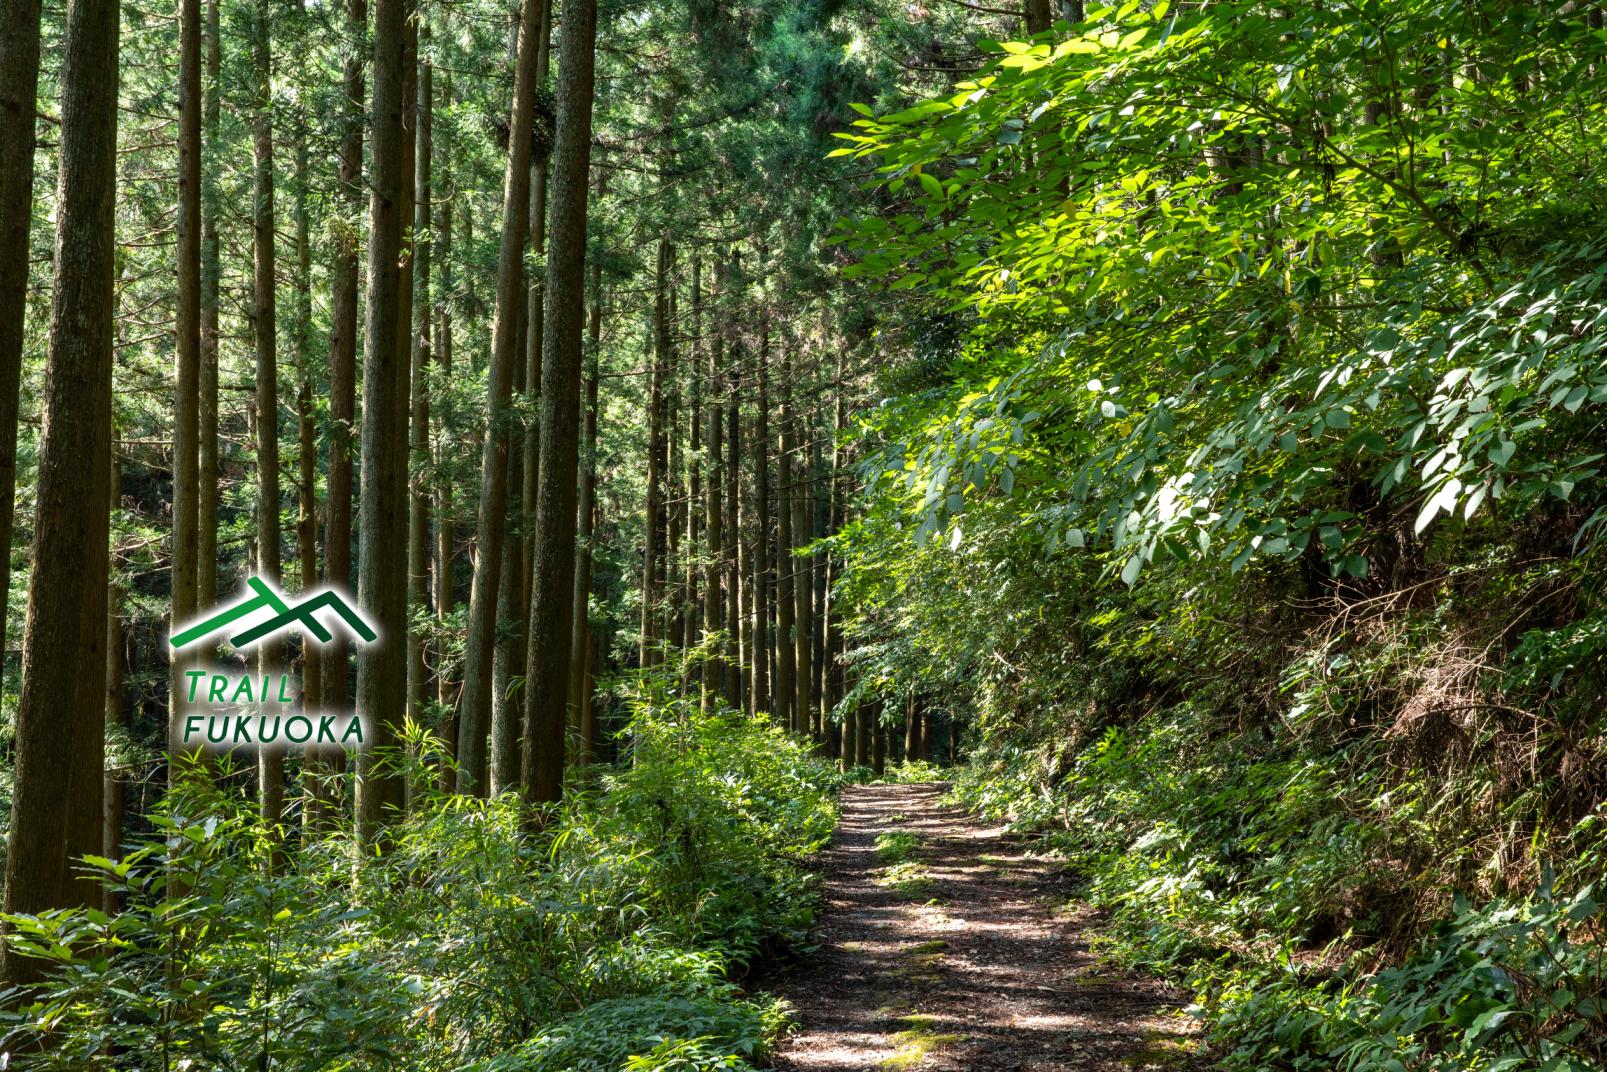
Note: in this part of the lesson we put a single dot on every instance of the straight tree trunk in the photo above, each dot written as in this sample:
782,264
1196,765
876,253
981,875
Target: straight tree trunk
652,565
187,358
763,633
731,549
206,566
717,673
444,541
343,379
912,728
820,662
878,751
382,562
692,608
516,652
674,509
788,711
553,575
264,314
808,714
474,705
507,710
585,511
19,90
59,745
306,430
862,730
114,788
418,505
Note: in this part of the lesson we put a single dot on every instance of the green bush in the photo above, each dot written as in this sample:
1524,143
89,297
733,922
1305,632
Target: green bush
601,943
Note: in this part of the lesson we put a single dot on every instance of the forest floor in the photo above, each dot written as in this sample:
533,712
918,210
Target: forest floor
944,944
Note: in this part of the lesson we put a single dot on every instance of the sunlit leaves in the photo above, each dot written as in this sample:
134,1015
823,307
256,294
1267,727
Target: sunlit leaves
1258,299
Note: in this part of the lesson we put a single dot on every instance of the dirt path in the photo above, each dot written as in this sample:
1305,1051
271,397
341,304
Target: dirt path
960,957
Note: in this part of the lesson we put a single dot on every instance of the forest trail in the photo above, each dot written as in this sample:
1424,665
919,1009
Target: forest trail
945,945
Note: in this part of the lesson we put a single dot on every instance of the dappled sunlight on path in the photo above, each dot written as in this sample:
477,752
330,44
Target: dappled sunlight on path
951,949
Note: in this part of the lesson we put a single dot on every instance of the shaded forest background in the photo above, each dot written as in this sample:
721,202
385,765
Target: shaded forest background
1184,417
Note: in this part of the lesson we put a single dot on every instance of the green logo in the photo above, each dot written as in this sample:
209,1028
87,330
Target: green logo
285,617
241,711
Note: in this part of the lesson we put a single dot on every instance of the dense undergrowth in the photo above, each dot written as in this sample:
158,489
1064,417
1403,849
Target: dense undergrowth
607,942
1246,481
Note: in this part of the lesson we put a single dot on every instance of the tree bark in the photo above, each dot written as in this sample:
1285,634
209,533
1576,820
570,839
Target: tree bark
187,358
808,714
1038,16
60,744
788,711
652,523
206,545
19,90
418,505
553,573
382,563
474,706
264,315
528,460
306,429
114,791
717,673
878,750
763,632
335,673
580,628
731,549
692,613
444,533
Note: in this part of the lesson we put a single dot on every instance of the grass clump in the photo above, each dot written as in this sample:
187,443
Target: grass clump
895,846
909,878
916,1042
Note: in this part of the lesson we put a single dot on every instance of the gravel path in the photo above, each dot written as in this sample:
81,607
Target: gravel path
961,956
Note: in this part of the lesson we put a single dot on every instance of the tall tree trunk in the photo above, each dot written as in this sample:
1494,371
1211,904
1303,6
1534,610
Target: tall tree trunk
187,356
342,392
833,673
59,745
382,562
787,709
474,706
517,609
418,505
820,655
717,673
306,430
912,728
652,567
264,313
444,541
692,614
674,507
113,787
19,91
553,574
763,634
730,550
878,749
802,585
206,544
580,625
862,730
